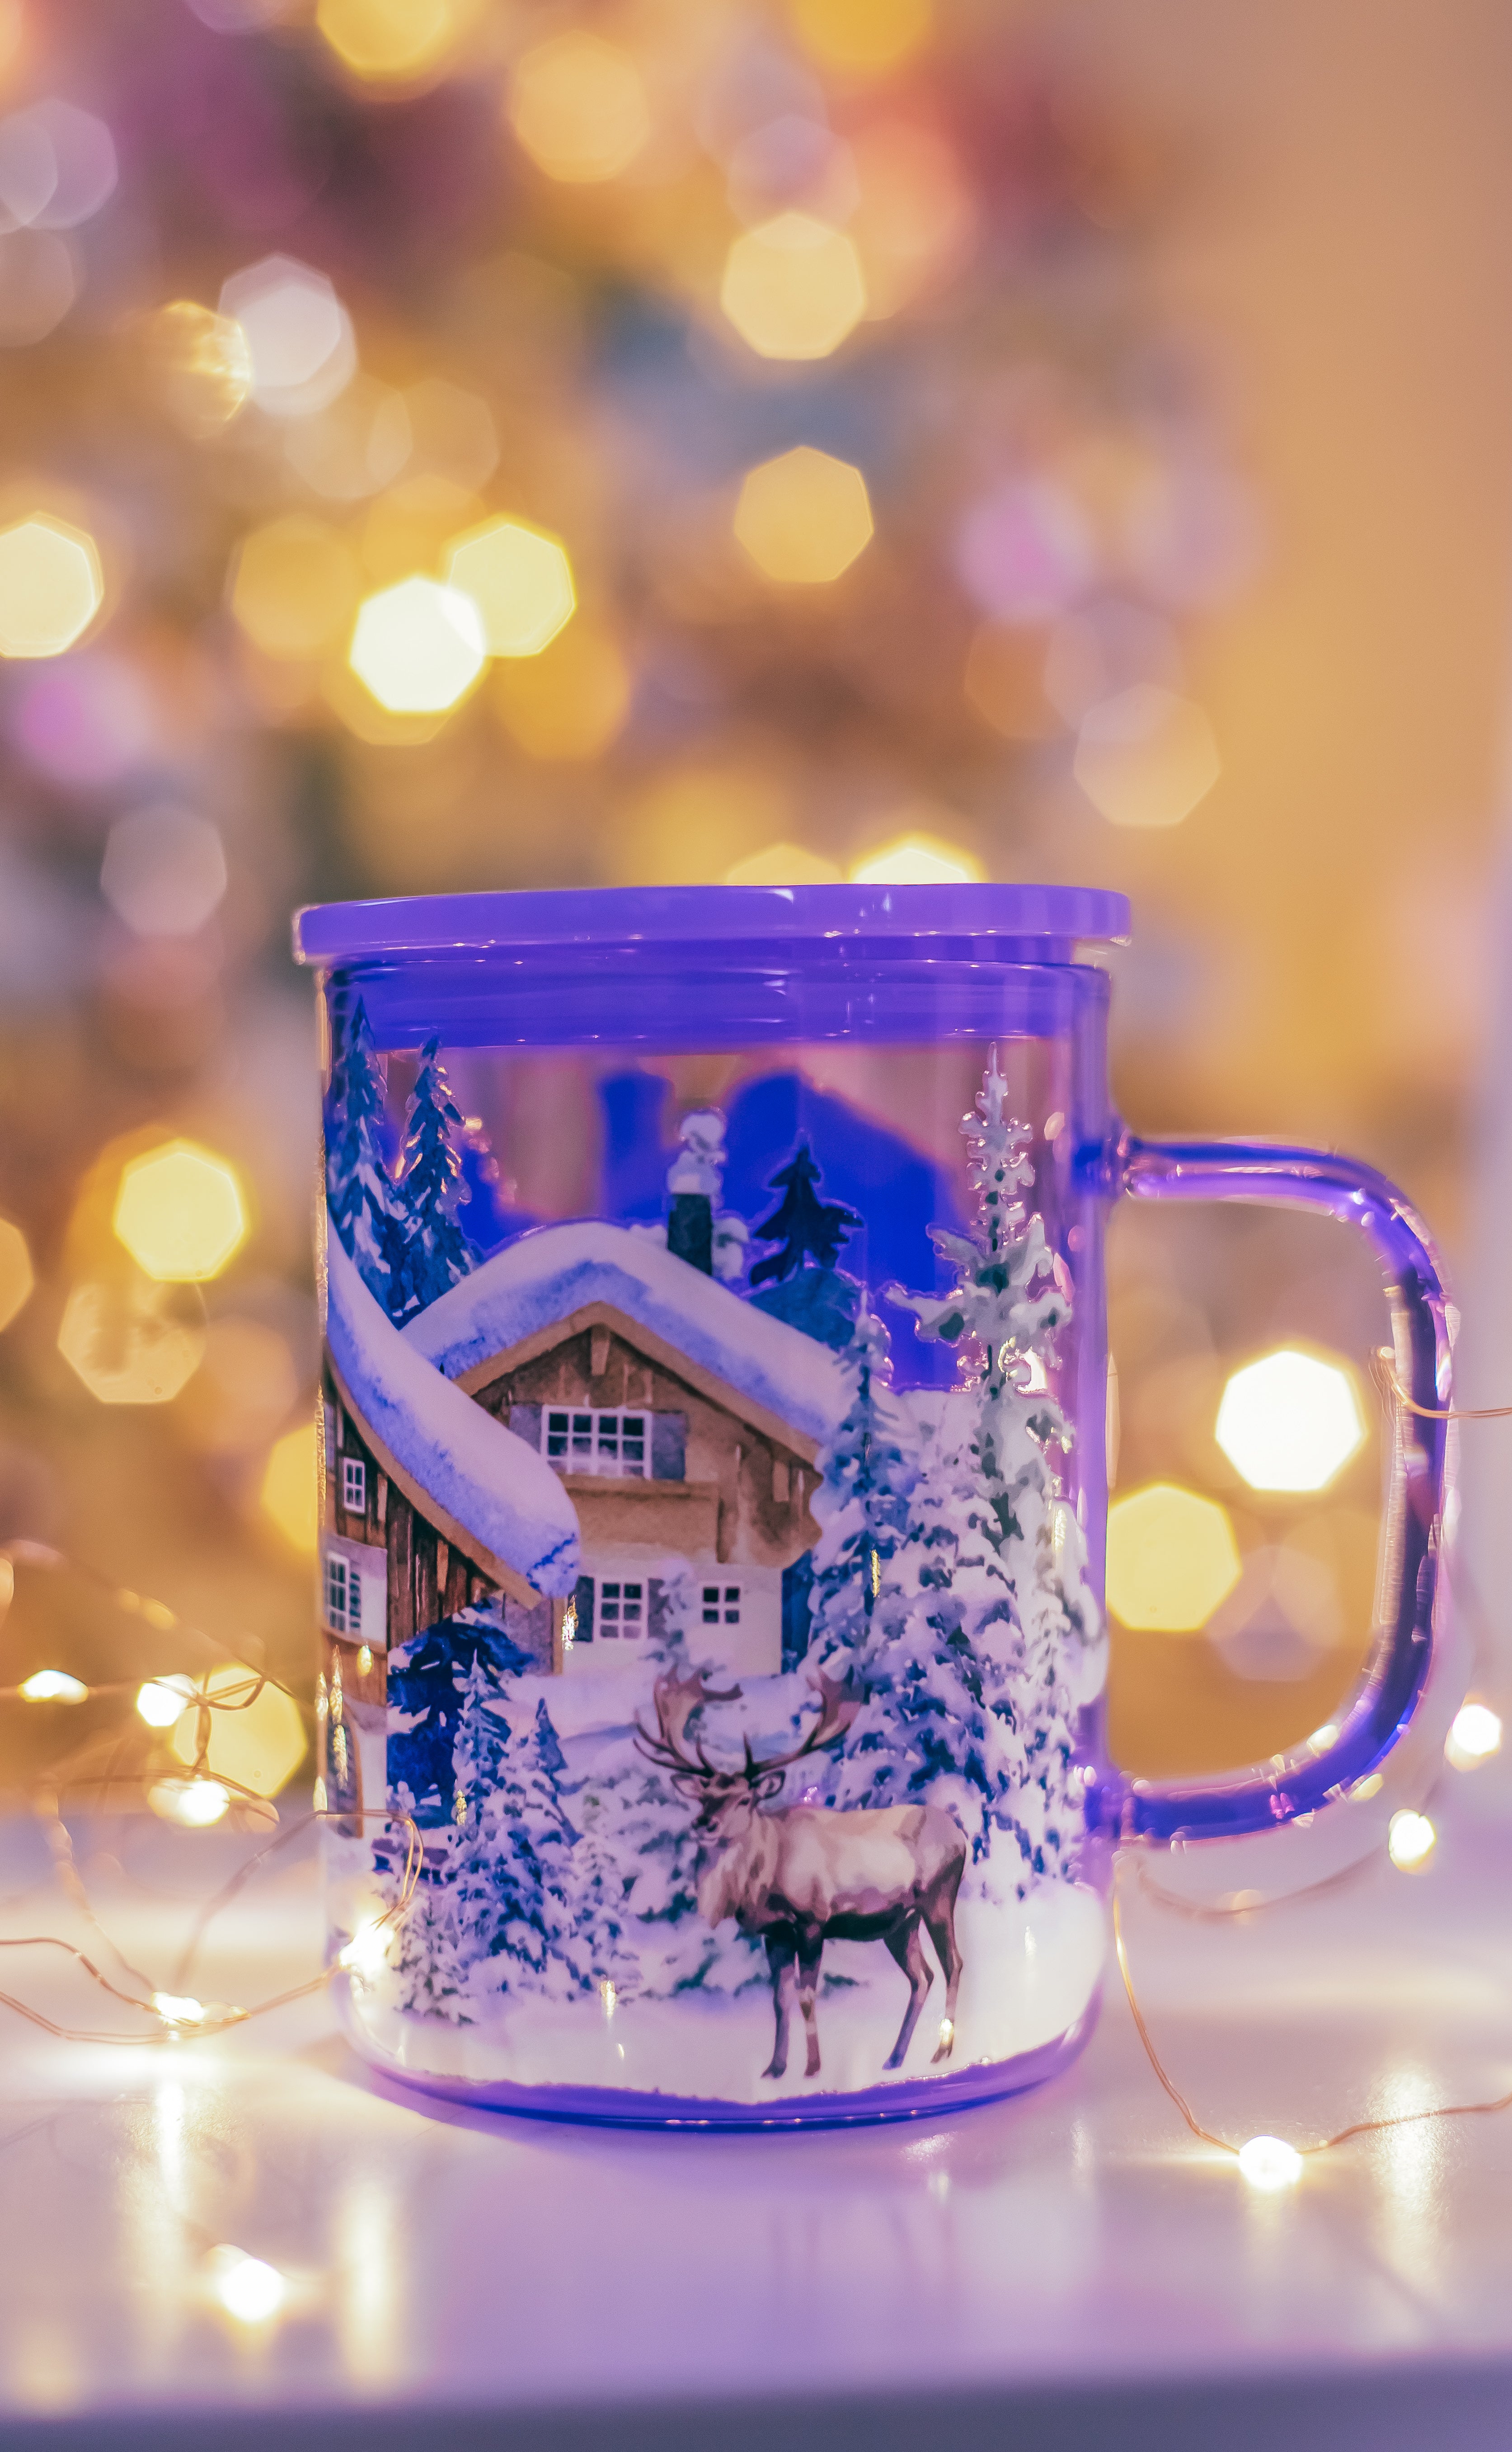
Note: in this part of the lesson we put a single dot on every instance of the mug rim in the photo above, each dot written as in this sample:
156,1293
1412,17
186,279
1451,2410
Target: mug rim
592,917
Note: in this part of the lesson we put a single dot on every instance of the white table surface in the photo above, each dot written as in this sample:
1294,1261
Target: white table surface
1068,2268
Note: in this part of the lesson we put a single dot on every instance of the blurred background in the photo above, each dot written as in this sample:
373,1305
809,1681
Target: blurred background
480,442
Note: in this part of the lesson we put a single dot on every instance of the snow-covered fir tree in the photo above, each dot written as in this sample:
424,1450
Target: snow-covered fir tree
361,1203
432,1253
984,1639
868,1469
510,1867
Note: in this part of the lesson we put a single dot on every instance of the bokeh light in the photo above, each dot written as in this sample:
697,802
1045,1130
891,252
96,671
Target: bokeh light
578,106
521,580
16,1278
193,1804
299,336
803,517
162,1701
1147,756
1474,1737
794,287
51,585
245,1390
203,365
57,166
248,2289
1410,1841
1173,1559
569,702
785,863
163,871
295,587
1291,1421
418,648
180,1213
868,37
256,1743
354,446
288,1494
53,1686
1005,680
38,284
393,42
136,1343
1026,552
918,859
452,433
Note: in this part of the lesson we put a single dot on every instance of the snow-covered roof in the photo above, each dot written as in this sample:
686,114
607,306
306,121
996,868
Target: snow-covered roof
546,1276
502,1496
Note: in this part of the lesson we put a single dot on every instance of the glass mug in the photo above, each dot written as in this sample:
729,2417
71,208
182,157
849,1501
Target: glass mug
714,1492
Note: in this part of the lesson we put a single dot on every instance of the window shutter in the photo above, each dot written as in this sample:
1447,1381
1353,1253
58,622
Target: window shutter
669,1447
655,1607
583,1596
524,1420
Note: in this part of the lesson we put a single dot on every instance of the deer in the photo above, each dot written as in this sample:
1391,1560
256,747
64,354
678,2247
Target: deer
798,1877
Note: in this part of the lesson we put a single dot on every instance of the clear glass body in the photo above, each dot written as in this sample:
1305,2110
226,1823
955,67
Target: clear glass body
713,1507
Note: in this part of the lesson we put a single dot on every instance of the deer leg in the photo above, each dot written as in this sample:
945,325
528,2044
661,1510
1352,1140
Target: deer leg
809,1948
908,1950
940,1917
781,1952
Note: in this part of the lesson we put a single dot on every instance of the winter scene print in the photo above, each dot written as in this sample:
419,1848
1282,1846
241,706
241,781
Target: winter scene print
711,1599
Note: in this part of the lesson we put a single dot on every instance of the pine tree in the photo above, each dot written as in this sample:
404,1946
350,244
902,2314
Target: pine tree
1031,1620
510,1871
361,1201
868,1472
433,1253
807,1227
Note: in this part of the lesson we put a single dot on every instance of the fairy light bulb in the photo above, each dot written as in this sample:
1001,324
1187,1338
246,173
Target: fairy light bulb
1474,1738
160,1702
179,2008
54,1685
1410,1841
1270,2164
248,2289
366,1953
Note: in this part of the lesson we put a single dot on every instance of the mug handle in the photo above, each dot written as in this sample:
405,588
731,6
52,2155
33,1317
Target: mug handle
1381,1709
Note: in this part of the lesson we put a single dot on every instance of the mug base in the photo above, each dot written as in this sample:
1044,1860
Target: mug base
604,2107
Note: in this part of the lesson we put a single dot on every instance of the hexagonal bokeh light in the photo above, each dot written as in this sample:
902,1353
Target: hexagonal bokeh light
1291,1421
418,648
389,44
794,287
288,1494
1173,1559
16,1277
1145,756
579,106
132,1344
804,517
295,587
256,1743
299,336
164,870
180,1213
521,580
51,585
916,859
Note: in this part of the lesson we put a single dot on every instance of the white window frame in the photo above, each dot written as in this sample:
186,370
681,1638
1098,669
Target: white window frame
719,1604
594,1439
343,1614
354,1478
628,1592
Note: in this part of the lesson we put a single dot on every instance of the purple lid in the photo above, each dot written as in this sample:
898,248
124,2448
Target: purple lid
703,915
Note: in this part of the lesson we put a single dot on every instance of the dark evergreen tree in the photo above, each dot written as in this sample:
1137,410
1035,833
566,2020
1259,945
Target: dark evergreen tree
361,1201
806,1227
433,1253
870,1469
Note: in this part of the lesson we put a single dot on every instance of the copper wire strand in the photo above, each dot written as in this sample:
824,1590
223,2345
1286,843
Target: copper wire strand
1386,1372
1223,2145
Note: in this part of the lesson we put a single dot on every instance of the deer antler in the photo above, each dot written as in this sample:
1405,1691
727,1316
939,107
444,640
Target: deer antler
676,1700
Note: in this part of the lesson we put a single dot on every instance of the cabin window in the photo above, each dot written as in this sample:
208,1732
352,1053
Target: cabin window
721,1604
354,1485
344,1596
591,1441
622,1609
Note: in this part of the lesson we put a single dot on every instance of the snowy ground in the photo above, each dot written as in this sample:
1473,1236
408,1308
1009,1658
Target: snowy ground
1031,1970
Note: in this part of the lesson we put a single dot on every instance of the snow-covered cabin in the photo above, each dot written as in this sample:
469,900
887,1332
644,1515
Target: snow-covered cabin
583,1415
